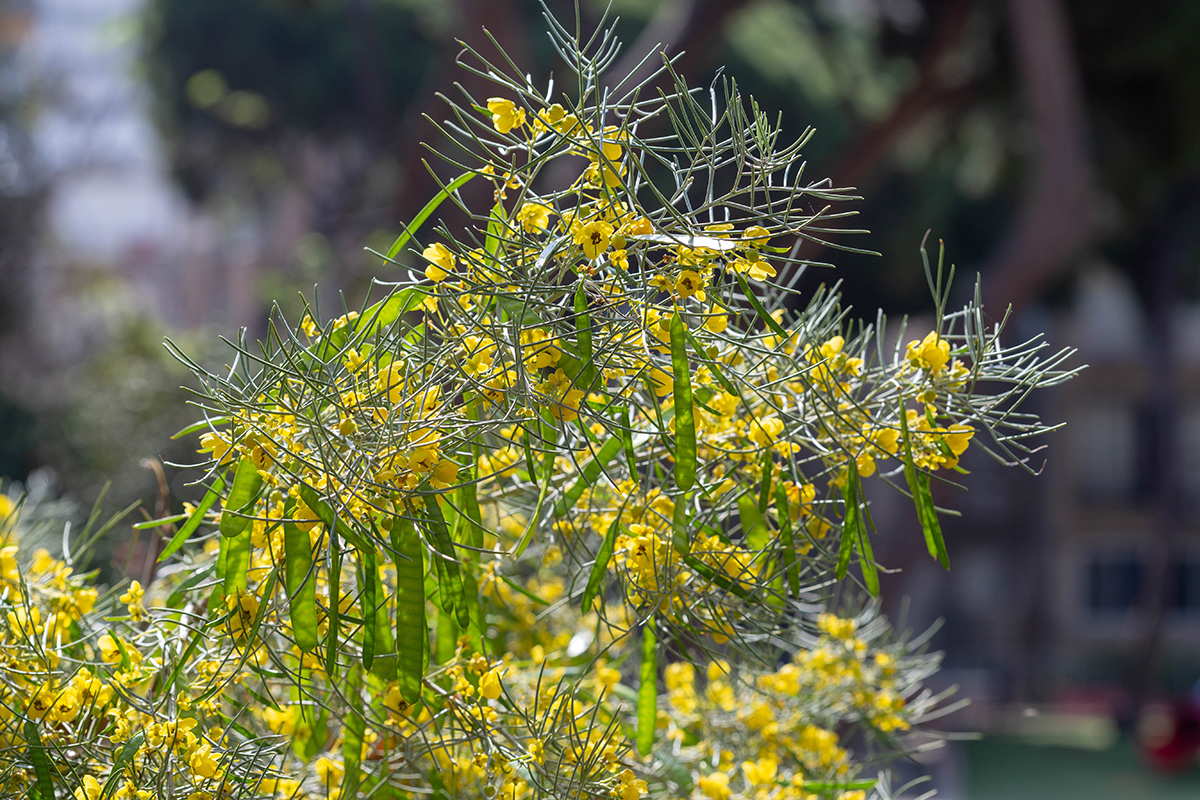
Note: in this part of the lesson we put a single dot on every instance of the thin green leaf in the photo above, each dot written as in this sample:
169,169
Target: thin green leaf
918,484
242,495
158,523
754,528
371,319
472,518
549,438
856,528
583,338
237,562
530,463
713,366
600,566
627,441
784,512
835,786
493,243
410,608
681,539
587,476
334,607
333,523
123,759
647,713
425,213
183,590
685,424
202,425
846,547
439,536
194,520
301,585
521,590
854,532
369,601
927,512
446,639
764,486
352,735
762,312
39,759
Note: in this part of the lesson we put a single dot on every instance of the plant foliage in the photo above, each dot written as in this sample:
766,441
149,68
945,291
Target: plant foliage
565,516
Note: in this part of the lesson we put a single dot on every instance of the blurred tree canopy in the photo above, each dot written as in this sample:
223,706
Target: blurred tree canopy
983,120
235,76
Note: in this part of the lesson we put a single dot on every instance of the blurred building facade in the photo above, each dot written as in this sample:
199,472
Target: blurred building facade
1079,586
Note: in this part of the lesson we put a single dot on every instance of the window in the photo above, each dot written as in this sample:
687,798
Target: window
1185,587
1114,581
1189,455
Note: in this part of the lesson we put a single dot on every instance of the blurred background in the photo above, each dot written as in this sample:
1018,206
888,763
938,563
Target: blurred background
172,167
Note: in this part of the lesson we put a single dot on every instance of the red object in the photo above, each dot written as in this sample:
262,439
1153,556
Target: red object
1174,748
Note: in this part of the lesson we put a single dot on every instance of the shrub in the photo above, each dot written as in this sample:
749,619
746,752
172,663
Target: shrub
581,513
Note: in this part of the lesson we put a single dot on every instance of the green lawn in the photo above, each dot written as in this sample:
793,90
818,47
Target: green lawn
1004,769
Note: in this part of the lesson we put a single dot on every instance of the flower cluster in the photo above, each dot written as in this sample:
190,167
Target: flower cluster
550,518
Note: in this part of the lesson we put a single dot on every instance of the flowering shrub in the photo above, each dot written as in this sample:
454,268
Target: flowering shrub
565,516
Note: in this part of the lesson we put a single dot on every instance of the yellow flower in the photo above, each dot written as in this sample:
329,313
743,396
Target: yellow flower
244,610
594,237
134,595
534,217
930,353
66,705
754,266
888,440
628,787
689,284
662,382
441,262
837,627
329,772
443,475
90,789
7,507
42,702
202,762
540,349
489,684
280,787
759,270
764,431
282,722
660,282
679,674
757,235
564,397
110,650
505,114
550,117
717,322
958,438
761,772
714,785
214,443
394,701
129,791
8,563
